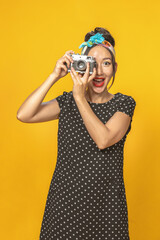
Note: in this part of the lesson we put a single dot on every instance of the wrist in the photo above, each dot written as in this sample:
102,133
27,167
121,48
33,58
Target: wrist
80,99
54,76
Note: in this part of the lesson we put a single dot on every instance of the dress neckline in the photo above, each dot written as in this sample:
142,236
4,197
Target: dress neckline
104,102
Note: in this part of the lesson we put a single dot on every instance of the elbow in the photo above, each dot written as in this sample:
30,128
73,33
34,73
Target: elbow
18,115
108,143
101,147
104,144
20,118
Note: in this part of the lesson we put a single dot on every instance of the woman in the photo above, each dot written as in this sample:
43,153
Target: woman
86,199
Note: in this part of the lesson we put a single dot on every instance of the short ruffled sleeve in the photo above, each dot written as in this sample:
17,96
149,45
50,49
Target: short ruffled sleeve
127,105
61,99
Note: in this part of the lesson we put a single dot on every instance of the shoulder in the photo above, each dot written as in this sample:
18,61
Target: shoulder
64,98
125,103
122,98
65,95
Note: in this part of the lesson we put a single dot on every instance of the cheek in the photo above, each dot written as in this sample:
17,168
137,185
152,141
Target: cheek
108,71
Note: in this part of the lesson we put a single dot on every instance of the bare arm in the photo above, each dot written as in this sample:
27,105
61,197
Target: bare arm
104,135
33,104
33,109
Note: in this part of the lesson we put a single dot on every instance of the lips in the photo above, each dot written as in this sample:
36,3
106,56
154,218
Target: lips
98,82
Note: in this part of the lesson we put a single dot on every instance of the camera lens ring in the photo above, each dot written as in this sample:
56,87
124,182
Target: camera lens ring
81,65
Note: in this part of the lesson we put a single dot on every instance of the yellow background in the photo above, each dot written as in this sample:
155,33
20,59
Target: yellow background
34,35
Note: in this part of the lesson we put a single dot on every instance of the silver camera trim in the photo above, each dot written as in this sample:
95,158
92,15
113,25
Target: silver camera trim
83,57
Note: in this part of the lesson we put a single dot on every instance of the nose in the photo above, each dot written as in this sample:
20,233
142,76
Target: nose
99,69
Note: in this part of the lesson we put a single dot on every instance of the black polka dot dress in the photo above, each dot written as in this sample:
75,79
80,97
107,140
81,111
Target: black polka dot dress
86,198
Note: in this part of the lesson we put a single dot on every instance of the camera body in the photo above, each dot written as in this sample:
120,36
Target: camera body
80,63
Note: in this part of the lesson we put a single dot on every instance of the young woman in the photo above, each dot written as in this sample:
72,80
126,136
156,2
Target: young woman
86,198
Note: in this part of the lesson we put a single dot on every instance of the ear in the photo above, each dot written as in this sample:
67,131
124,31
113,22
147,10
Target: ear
116,65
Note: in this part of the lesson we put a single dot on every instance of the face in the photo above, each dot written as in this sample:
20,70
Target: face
104,69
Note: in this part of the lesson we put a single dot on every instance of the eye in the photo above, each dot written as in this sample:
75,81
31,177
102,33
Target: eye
105,63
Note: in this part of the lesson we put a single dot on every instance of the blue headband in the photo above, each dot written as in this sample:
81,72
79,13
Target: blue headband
99,40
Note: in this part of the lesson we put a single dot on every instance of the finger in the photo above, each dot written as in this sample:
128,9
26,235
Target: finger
63,67
70,58
86,75
70,51
93,75
73,71
81,75
75,75
65,59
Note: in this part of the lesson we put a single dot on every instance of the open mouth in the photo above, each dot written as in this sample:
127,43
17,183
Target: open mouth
98,82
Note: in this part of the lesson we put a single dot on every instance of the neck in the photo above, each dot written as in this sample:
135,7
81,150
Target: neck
97,97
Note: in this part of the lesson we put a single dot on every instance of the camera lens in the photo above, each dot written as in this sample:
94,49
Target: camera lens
81,65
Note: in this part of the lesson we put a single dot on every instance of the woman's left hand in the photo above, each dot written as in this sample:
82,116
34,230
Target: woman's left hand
81,81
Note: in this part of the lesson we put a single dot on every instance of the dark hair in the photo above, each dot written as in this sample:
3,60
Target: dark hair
108,37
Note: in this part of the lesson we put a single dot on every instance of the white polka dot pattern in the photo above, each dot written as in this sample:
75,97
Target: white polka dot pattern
86,198
127,105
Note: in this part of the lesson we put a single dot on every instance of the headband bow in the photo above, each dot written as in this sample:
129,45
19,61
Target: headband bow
99,40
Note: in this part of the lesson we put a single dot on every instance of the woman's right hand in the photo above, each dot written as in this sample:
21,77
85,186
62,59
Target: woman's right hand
60,69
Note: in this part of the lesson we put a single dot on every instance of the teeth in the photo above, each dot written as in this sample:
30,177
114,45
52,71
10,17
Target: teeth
98,80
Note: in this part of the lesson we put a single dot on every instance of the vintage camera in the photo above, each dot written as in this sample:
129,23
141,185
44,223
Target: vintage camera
80,63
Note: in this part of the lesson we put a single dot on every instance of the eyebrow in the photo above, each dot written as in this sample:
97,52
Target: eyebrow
106,58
